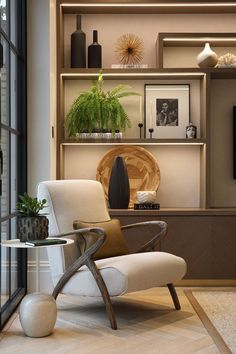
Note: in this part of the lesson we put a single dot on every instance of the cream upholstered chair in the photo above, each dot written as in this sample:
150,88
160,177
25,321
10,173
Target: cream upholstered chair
76,272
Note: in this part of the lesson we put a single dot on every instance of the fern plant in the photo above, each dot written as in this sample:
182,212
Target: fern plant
96,109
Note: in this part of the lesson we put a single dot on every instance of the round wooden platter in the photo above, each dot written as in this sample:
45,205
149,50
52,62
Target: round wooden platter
143,169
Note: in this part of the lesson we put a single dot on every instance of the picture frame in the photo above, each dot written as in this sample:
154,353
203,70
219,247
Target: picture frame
167,110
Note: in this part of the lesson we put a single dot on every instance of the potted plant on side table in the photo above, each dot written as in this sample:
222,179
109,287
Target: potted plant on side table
30,224
96,112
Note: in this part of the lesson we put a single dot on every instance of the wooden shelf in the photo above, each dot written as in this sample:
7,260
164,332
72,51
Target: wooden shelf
197,39
223,73
146,7
184,142
175,212
151,74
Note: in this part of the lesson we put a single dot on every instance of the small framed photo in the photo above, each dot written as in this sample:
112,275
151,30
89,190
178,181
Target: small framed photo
167,110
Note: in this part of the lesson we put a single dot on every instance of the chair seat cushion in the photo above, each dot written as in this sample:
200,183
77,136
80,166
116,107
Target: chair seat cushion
128,273
114,244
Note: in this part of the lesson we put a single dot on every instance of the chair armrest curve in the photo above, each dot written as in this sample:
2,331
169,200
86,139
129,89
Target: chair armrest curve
150,245
78,263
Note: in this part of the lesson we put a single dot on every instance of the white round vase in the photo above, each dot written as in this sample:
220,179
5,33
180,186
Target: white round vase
38,313
207,58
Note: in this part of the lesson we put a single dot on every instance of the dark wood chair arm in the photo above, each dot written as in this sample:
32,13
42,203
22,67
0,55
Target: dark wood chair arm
150,245
87,255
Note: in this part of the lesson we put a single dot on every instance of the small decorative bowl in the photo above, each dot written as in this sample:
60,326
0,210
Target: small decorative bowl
145,197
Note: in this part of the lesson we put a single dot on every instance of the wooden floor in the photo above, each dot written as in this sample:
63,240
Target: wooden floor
146,320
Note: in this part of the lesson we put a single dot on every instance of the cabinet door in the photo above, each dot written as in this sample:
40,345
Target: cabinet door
190,238
223,247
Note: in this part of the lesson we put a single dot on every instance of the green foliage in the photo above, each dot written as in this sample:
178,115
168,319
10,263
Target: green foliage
3,11
28,206
96,109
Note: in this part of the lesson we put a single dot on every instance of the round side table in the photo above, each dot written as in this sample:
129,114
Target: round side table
38,312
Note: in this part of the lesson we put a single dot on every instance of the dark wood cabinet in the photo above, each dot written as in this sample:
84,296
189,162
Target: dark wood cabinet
207,242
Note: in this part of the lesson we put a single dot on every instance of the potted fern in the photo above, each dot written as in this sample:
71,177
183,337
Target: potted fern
31,225
98,111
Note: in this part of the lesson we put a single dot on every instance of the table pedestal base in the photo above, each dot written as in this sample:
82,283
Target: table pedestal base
38,313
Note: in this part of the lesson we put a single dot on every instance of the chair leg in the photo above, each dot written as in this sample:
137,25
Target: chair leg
105,295
174,296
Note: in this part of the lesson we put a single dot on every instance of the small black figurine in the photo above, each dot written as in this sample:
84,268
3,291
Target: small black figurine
140,125
151,130
191,131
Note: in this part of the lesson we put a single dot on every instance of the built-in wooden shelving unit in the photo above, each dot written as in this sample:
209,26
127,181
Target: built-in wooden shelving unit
192,230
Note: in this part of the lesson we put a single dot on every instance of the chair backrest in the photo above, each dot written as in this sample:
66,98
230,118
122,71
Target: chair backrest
69,200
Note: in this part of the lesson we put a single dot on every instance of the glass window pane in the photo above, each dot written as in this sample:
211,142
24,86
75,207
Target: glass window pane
13,262
4,6
13,173
13,88
13,21
5,84
5,174
5,276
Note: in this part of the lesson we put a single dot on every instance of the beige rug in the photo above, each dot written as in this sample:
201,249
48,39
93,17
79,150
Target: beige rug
217,310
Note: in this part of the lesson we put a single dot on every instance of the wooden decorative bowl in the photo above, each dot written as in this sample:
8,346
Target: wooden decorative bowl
143,170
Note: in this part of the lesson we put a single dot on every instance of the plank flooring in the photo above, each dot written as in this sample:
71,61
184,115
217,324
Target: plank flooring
147,323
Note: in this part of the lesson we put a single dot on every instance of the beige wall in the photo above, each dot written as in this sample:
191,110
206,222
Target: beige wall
38,86
179,166
147,27
132,103
39,115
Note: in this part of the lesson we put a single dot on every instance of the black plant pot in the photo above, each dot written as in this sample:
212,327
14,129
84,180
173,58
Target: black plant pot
119,190
32,228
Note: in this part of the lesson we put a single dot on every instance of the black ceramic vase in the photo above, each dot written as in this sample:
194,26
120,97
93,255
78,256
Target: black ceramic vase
119,190
78,47
95,53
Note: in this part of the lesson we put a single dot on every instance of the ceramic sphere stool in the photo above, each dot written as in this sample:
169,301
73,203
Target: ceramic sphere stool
38,313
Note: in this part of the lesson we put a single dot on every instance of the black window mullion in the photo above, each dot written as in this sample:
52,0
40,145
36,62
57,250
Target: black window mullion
13,47
17,49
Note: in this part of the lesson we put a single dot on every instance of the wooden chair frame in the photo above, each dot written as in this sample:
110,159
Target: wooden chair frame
87,259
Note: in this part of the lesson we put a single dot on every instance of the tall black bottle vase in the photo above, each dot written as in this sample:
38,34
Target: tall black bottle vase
119,190
95,52
78,46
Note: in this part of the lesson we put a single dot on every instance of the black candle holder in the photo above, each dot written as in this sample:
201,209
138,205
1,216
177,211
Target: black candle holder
140,125
151,130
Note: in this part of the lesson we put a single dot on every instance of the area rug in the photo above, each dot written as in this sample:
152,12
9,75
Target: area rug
217,311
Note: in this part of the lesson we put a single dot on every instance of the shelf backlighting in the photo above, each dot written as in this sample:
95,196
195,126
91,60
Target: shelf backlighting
190,74
200,39
127,143
160,5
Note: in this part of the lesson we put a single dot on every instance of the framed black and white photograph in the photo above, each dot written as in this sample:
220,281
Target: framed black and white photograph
166,110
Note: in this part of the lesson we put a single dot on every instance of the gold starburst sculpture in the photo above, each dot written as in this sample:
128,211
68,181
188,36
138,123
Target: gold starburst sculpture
129,49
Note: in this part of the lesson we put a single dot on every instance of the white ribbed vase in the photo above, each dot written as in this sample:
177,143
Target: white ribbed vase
146,197
207,58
